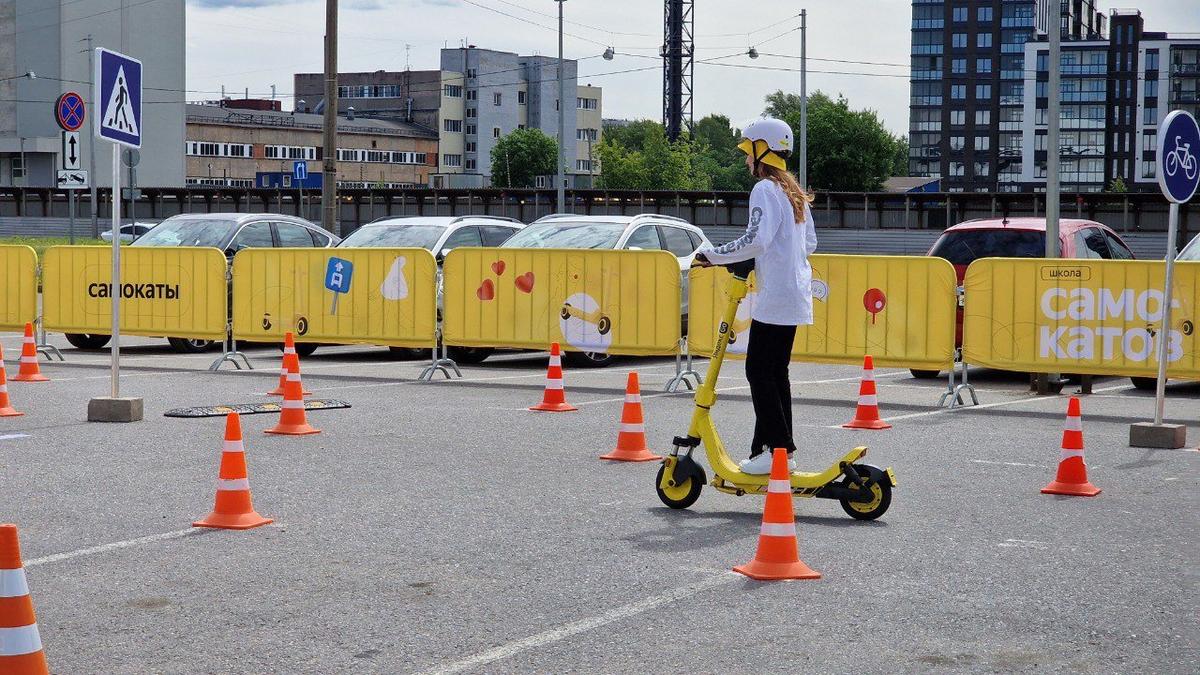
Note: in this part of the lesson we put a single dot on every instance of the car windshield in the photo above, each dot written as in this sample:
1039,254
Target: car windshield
187,232
395,235
1191,251
567,235
966,246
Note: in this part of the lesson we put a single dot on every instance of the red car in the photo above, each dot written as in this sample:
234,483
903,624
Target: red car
966,242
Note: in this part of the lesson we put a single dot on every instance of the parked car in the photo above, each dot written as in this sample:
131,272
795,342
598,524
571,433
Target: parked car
229,232
645,232
128,232
1190,253
439,236
967,242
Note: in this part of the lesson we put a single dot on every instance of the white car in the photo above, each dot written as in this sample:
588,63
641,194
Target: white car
645,232
128,232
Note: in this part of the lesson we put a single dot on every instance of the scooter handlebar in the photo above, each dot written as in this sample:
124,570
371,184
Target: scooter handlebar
740,270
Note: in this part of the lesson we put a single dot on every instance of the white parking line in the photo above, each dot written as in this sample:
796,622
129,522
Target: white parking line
104,548
9,437
582,626
1034,466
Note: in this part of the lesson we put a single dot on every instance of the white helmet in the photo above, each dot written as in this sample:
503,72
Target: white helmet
768,140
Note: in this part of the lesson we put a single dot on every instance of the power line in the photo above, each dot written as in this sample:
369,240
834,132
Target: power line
73,20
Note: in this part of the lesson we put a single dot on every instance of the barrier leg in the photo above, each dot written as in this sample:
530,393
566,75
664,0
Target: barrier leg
949,386
43,347
956,393
682,373
230,353
442,365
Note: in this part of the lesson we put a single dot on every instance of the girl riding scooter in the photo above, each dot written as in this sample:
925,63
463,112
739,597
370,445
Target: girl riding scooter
780,237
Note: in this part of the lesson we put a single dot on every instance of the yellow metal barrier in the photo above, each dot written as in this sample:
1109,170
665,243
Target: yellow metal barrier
900,310
1097,317
384,296
18,287
613,302
166,292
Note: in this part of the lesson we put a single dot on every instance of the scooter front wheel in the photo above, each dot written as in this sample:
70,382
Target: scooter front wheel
880,491
686,490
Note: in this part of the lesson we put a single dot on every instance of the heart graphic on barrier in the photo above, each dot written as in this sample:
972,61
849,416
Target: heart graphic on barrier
487,290
498,267
524,283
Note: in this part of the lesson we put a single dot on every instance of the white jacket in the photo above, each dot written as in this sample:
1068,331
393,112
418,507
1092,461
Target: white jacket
780,247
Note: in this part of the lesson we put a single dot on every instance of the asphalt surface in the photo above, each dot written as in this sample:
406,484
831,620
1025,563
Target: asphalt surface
443,528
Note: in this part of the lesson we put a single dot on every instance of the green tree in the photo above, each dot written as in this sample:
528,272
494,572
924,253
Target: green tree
848,150
722,161
1118,185
639,157
900,158
519,157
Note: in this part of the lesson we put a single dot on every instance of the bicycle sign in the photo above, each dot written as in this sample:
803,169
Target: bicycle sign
1179,156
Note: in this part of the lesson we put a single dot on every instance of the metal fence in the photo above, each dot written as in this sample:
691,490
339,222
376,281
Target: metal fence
1125,213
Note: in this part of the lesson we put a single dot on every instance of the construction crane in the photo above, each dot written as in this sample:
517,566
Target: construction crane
678,52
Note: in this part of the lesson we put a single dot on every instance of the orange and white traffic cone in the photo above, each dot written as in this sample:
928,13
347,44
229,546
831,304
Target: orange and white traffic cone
6,409
867,414
233,509
292,419
631,440
29,371
1072,478
778,554
20,644
554,399
291,361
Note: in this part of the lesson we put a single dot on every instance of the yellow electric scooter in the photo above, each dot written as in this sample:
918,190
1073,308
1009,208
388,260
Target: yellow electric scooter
864,491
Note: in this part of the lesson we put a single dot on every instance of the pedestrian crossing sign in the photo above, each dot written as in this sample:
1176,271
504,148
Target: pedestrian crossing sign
117,94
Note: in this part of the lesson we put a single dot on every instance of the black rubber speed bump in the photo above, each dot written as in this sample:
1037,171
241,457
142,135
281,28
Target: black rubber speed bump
252,408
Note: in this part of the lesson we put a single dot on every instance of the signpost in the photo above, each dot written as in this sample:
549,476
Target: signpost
117,93
70,113
337,279
299,177
1178,168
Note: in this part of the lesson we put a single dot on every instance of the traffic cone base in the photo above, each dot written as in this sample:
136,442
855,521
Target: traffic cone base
233,508
10,412
293,430
29,371
631,439
866,415
778,554
554,399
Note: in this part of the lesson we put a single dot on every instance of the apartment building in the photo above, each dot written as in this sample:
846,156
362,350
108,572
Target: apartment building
235,145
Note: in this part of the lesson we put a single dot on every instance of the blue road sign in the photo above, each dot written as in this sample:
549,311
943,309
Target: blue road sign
337,279
300,170
118,98
70,111
1178,156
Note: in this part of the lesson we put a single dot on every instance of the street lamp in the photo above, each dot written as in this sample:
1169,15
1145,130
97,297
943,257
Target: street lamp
752,53
562,116
609,54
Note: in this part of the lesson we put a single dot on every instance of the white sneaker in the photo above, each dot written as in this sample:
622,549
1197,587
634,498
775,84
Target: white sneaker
761,463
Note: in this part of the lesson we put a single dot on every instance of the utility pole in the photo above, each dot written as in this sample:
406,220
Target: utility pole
329,205
562,116
803,172
92,177
1053,184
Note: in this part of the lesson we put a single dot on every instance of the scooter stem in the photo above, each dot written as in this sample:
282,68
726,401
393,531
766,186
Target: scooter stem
706,395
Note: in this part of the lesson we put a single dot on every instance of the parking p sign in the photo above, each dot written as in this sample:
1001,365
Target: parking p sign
1179,156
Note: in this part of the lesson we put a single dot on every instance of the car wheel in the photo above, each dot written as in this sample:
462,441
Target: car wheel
588,359
189,346
469,355
87,341
408,353
1145,383
306,348
925,374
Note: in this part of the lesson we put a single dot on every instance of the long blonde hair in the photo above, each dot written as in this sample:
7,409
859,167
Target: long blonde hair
790,186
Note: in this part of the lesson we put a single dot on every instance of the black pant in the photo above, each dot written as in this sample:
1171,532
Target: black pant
767,357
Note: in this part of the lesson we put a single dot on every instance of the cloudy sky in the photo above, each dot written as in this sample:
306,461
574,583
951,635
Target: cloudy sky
259,43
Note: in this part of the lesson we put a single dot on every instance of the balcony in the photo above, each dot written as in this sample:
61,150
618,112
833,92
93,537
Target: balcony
1185,96
1185,68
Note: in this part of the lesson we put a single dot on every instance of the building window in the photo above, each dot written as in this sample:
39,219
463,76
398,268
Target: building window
957,169
1150,141
958,118
1151,59
983,91
957,143
452,160
1151,88
1150,117
984,14
981,169
983,118
370,91
983,40
471,129
472,94
587,134
587,103
497,99
495,132
471,165
453,90
16,167
452,126
960,15
983,143
983,65
958,66
959,40
472,73
583,165
521,98
472,113
472,146
520,126
958,91
1148,170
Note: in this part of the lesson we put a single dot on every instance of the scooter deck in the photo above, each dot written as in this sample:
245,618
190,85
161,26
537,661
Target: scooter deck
732,477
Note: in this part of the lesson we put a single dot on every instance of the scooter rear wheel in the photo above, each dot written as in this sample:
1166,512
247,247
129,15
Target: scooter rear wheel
880,490
686,490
